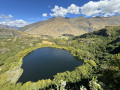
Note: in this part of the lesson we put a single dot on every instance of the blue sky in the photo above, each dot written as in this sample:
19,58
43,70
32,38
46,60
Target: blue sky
22,12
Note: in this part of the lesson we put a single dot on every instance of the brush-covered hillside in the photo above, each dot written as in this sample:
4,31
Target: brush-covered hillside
99,51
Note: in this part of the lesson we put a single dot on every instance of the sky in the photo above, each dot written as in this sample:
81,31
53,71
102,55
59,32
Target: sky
22,12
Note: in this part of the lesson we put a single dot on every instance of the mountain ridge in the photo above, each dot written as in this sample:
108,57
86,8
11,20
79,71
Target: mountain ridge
57,26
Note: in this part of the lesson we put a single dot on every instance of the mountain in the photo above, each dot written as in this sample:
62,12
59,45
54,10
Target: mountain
7,33
53,27
9,27
59,26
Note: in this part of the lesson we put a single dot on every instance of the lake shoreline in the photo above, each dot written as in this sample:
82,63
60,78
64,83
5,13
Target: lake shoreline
25,52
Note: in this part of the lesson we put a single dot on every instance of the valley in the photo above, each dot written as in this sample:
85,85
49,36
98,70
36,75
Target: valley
95,49
59,44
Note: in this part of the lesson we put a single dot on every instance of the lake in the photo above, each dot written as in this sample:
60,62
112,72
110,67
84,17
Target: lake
46,62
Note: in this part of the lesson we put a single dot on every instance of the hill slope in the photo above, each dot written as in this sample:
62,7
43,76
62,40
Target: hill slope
58,26
54,27
7,33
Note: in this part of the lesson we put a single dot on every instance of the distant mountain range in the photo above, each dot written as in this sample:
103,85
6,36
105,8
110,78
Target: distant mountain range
60,26
10,27
7,33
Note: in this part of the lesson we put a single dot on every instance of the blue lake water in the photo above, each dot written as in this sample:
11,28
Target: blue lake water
46,62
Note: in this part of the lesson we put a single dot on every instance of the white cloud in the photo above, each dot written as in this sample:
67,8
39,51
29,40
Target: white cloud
92,8
44,15
7,20
60,11
2,16
73,9
103,7
17,23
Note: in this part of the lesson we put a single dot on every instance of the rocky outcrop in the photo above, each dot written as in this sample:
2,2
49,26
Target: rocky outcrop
15,73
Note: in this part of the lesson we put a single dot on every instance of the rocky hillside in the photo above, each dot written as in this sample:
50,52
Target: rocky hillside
58,26
53,27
